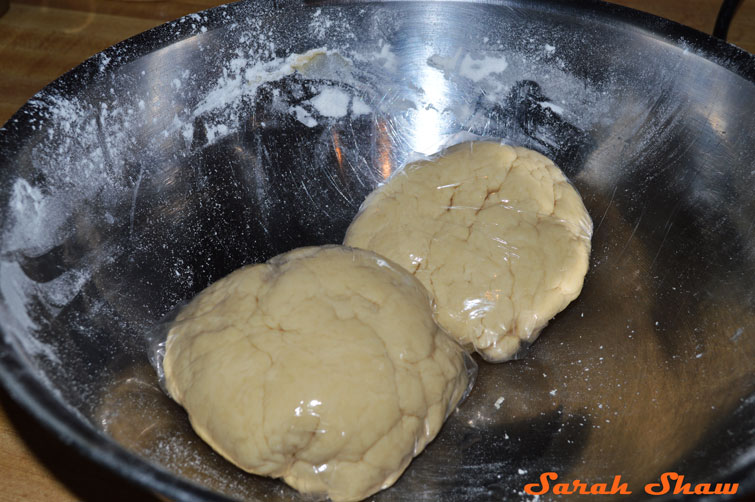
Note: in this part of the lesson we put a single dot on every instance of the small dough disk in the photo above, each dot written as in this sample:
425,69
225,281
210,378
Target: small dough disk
496,233
323,366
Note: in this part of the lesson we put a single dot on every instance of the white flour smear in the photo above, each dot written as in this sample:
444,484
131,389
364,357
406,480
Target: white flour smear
331,102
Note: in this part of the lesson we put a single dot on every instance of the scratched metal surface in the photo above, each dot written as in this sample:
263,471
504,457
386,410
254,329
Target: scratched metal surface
133,182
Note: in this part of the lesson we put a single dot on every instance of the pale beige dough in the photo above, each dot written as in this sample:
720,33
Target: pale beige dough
323,366
496,233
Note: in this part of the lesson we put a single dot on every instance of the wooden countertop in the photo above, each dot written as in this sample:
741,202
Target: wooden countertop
40,40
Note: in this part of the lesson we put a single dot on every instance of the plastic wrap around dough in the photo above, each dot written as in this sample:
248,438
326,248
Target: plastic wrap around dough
323,366
496,233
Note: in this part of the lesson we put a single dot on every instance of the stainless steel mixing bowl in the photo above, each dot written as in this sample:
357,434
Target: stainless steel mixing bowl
167,161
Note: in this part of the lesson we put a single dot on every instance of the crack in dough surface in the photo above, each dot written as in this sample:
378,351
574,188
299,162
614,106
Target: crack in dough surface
496,233
323,366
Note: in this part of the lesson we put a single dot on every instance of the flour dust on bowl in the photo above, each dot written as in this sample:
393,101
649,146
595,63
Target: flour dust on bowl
233,135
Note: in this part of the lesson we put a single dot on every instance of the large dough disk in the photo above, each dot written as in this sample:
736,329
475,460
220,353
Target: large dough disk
323,366
496,233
